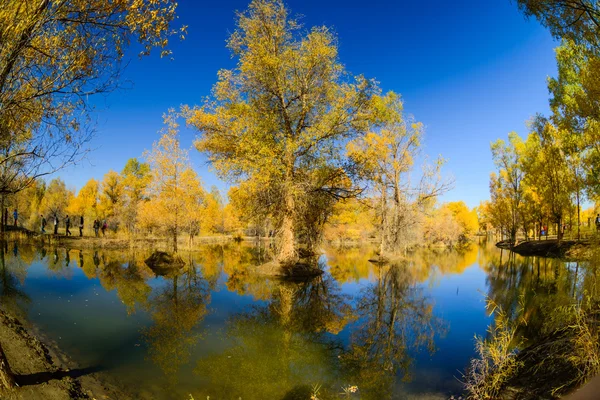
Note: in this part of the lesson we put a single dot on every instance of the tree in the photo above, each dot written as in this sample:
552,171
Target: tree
281,116
508,158
55,54
577,20
56,198
499,211
87,201
351,220
111,196
466,219
135,178
175,192
212,212
385,157
547,170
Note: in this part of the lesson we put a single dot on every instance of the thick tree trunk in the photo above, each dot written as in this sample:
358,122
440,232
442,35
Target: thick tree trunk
287,246
559,232
7,380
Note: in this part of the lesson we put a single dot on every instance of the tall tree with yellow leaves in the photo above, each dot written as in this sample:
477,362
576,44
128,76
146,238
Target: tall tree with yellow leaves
548,171
135,178
175,192
386,158
111,194
53,56
85,203
281,116
508,158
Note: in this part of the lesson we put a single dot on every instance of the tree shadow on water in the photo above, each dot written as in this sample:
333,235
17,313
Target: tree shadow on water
44,377
300,392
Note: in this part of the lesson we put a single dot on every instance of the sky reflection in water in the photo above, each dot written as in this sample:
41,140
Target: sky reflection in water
216,330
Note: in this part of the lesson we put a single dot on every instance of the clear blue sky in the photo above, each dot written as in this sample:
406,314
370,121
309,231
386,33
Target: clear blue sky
470,70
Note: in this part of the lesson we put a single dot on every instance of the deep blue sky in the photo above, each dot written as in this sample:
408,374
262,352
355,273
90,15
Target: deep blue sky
470,70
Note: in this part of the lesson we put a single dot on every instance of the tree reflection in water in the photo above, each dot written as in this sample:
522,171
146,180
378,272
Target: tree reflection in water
394,319
12,275
533,288
279,348
176,309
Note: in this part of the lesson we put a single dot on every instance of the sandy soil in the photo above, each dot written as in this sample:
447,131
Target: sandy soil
43,372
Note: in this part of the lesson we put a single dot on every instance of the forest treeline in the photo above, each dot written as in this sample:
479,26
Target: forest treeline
542,183
544,179
310,150
139,201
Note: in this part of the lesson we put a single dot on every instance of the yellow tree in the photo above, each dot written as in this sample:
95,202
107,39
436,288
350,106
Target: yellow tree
86,202
386,158
175,193
548,172
498,211
111,193
56,199
352,219
212,214
467,219
53,56
281,116
135,178
231,219
508,158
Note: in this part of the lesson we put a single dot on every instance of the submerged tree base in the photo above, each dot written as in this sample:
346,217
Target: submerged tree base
294,270
165,264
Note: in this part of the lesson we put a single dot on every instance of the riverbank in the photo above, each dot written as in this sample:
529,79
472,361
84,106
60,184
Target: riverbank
42,371
114,243
565,249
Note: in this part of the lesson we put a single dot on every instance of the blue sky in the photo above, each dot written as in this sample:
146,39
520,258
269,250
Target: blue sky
470,70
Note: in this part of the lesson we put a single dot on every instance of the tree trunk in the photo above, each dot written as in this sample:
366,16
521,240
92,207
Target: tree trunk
3,224
382,246
287,246
7,380
559,232
578,217
175,240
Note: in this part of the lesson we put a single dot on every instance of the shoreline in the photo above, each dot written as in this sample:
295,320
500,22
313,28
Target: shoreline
571,250
42,370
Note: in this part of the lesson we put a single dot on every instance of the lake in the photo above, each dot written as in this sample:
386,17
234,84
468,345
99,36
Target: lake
396,331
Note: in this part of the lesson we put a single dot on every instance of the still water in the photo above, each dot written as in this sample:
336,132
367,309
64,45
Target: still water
399,331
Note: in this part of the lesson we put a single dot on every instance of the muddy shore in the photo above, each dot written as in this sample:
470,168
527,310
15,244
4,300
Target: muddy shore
566,249
43,372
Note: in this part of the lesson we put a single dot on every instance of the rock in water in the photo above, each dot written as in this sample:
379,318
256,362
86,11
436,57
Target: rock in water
165,264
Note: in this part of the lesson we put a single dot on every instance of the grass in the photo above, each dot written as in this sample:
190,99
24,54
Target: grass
496,361
564,357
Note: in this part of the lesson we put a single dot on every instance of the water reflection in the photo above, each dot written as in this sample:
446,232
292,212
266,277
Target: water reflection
352,265
215,329
277,349
12,276
533,288
175,310
395,319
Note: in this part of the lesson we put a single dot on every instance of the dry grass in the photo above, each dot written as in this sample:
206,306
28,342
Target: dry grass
496,361
562,358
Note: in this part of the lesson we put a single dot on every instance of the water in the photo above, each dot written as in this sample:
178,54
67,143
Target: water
402,331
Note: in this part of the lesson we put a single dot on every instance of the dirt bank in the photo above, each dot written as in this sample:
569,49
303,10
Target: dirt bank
566,249
113,243
43,372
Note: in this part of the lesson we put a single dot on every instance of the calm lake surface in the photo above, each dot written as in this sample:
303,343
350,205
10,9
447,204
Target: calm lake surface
401,331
